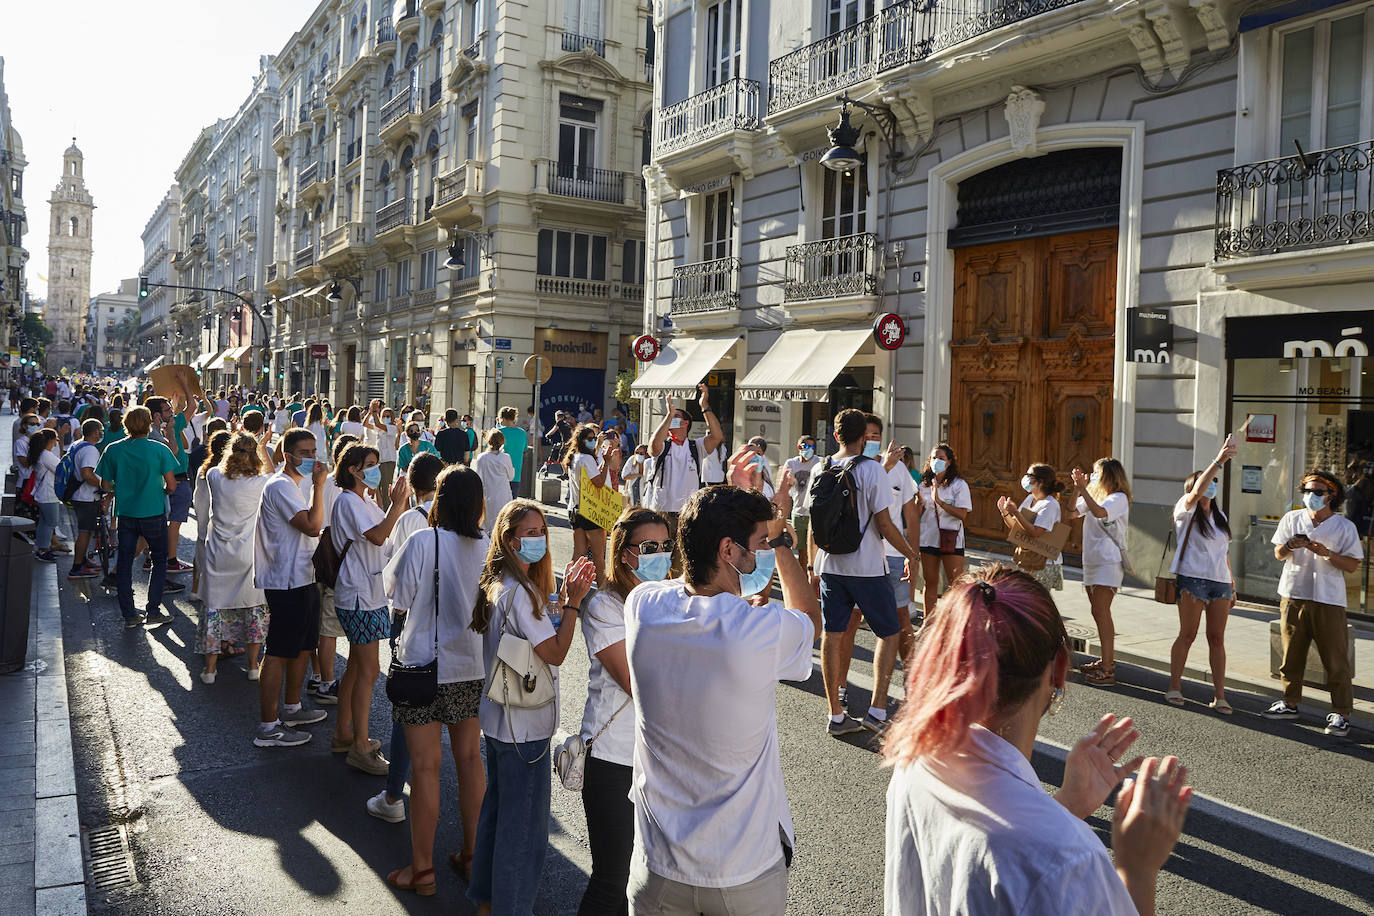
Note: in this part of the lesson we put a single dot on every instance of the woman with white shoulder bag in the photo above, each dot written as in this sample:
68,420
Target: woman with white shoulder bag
522,649
1104,501
600,759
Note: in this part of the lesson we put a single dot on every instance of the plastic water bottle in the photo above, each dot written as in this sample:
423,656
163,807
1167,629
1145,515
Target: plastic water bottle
554,610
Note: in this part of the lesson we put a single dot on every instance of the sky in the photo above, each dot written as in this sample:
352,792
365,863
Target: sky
134,83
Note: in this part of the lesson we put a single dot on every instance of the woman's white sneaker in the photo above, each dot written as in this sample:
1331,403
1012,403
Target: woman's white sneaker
1337,724
391,812
207,677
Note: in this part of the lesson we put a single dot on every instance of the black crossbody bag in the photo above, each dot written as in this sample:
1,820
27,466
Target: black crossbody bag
417,686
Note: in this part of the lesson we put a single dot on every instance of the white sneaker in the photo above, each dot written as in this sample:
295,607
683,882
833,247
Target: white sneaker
254,673
391,812
1337,724
207,677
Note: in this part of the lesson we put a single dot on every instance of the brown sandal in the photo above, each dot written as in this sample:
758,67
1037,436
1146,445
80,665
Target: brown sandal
462,864
417,882
1098,674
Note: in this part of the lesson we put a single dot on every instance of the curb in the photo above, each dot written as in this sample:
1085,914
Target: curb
59,870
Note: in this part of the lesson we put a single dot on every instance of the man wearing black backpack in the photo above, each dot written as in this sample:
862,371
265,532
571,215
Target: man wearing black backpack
849,522
677,469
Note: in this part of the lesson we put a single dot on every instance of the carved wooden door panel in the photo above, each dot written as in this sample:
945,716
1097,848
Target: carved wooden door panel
1031,363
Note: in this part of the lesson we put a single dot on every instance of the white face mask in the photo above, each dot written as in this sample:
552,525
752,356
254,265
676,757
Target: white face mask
1027,482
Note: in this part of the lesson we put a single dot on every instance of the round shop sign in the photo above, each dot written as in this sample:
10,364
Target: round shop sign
645,348
889,331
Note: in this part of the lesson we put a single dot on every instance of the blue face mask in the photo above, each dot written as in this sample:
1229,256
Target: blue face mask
1211,491
807,452
872,449
532,550
751,583
653,567
1314,502
307,467
938,465
373,476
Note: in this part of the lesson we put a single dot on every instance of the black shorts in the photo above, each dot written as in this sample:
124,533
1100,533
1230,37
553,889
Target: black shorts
937,552
295,626
581,524
85,514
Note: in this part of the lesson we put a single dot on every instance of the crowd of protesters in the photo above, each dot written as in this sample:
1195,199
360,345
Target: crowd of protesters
365,523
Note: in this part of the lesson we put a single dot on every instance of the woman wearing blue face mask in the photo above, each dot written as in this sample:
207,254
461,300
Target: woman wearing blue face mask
945,501
1203,567
1104,502
513,826
641,550
360,530
589,538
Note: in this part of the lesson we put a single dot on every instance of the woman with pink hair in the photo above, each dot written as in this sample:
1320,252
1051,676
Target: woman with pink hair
969,827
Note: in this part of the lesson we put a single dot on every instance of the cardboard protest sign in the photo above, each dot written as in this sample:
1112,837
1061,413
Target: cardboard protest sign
174,380
599,505
1048,545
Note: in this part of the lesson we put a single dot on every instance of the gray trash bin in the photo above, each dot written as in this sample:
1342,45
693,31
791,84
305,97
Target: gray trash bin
16,562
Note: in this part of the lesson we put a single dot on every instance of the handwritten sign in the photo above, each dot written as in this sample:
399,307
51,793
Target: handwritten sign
173,380
599,505
1048,545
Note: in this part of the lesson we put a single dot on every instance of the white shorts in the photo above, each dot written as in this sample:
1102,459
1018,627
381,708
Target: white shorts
1108,574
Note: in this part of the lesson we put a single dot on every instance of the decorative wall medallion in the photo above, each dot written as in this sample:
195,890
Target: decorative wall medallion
1023,110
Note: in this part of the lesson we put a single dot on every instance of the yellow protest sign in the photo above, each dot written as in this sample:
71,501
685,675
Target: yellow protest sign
598,505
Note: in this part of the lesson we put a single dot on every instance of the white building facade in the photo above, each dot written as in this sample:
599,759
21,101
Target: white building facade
161,235
111,346
1033,184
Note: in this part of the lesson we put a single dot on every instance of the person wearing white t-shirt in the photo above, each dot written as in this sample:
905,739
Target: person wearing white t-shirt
795,480
1317,547
1042,503
351,424
1104,502
360,530
860,579
513,592
86,500
589,538
713,832
675,459
641,550
945,501
1204,579
497,471
284,539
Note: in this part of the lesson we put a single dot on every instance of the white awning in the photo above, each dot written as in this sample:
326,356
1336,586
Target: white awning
153,365
318,290
801,365
234,354
217,362
200,361
681,365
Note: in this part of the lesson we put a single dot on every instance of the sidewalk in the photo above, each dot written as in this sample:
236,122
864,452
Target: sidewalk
1145,632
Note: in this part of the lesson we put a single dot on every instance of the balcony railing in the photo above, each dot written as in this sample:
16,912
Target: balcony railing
732,105
385,30
1294,203
474,50
845,266
451,186
271,272
279,128
575,42
572,288
903,33
353,151
571,180
707,286
248,227
307,174
305,257
197,240
402,104
396,213
436,92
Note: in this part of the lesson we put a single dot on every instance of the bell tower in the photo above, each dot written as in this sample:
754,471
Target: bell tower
69,264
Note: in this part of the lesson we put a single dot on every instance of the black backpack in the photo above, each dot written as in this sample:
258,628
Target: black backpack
656,478
835,523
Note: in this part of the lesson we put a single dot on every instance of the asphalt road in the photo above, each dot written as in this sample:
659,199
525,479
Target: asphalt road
215,825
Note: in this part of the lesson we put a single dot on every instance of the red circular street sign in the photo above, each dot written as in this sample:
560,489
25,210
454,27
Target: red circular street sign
889,331
645,348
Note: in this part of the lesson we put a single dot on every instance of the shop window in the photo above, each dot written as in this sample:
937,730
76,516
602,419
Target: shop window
577,255
632,261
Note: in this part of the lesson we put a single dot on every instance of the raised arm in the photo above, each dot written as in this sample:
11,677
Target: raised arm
661,433
715,437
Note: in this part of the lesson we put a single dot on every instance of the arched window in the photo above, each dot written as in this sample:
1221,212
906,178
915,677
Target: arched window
384,185
353,43
432,144
390,75
437,36
74,224
408,172
412,53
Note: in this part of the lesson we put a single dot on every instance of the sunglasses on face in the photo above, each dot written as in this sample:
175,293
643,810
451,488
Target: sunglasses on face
649,548
1318,492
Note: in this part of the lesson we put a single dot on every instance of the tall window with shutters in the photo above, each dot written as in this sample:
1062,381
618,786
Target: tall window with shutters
724,21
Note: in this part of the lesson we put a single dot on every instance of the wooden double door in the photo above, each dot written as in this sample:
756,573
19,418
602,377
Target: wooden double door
1031,364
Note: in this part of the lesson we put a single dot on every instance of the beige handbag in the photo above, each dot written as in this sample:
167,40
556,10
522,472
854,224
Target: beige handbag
521,679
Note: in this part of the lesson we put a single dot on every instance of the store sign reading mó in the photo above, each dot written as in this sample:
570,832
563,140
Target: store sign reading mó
1330,335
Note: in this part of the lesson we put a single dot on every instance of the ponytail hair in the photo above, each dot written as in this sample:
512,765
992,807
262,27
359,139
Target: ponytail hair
985,651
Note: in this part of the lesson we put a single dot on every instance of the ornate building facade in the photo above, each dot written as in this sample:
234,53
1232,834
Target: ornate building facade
69,264
160,235
13,224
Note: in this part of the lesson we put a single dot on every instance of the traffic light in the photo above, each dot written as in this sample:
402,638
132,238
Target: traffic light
143,287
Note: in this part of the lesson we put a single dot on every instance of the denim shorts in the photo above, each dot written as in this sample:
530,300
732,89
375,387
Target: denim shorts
870,594
179,502
901,590
1205,590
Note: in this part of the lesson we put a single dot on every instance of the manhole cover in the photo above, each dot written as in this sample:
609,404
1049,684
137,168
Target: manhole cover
1079,635
112,863
37,666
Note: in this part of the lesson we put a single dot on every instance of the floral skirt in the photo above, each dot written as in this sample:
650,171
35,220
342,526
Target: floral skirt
454,703
237,625
1052,576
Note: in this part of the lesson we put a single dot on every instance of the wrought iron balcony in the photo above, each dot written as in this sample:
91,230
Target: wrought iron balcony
305,257
197,241
401,104
279,128
436,92
307,174
248,228
571,180
474,50
385,30
1294,203
707,286
271,272
396,213
575,42
830,268
732,105
572,288
353,151
451,186
903,33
